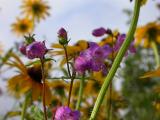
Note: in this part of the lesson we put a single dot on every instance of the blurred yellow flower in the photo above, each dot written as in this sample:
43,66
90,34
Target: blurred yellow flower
145,34
72,50
22,26
28,79
155,73
35,9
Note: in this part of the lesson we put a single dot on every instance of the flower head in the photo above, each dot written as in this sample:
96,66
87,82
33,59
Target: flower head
148,33
22,26
92,58
62,35
36,50
65,113
35,9
27,79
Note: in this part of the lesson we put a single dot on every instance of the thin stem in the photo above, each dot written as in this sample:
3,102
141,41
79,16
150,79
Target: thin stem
70,91
44,89
80,93
155,50
117,60
66,54
25,106
71,76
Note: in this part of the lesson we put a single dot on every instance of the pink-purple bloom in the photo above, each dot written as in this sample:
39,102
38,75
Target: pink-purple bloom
36,50
93,58
65,113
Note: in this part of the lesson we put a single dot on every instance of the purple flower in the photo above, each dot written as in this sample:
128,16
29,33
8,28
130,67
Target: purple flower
22,49
65,113
93,58
99,32
119,43
36,50
62,33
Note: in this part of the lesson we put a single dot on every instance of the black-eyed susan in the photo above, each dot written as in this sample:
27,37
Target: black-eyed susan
22,26
35,9
72,50
28,79
146,34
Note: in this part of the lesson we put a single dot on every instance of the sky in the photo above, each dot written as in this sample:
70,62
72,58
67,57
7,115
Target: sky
78,17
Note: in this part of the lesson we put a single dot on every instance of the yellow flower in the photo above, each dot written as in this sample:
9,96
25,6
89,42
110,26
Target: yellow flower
35,9
155,73
28,79
145,34
72,50
22,26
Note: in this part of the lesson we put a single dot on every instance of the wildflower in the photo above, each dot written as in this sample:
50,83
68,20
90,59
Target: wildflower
22,26
35,9
148,33
93,58
100,32
62,35
65,113
36,50
28,79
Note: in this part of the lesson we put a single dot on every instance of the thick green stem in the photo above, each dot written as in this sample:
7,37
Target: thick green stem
117,60
25,106
80,93
155,50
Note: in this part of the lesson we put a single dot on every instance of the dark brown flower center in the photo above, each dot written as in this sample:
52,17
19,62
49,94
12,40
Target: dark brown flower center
35,73
23,27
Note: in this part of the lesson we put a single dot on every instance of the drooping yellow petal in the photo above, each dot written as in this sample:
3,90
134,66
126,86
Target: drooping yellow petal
155,73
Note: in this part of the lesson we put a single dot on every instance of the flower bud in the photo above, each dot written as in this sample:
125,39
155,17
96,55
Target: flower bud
22,49
62,35
99,32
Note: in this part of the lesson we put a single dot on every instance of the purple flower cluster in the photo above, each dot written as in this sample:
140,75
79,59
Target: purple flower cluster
65,113
93,58
34,50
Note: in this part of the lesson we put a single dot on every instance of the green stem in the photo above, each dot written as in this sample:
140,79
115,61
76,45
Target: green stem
155,50
117,60
80,93
44,89
25,106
